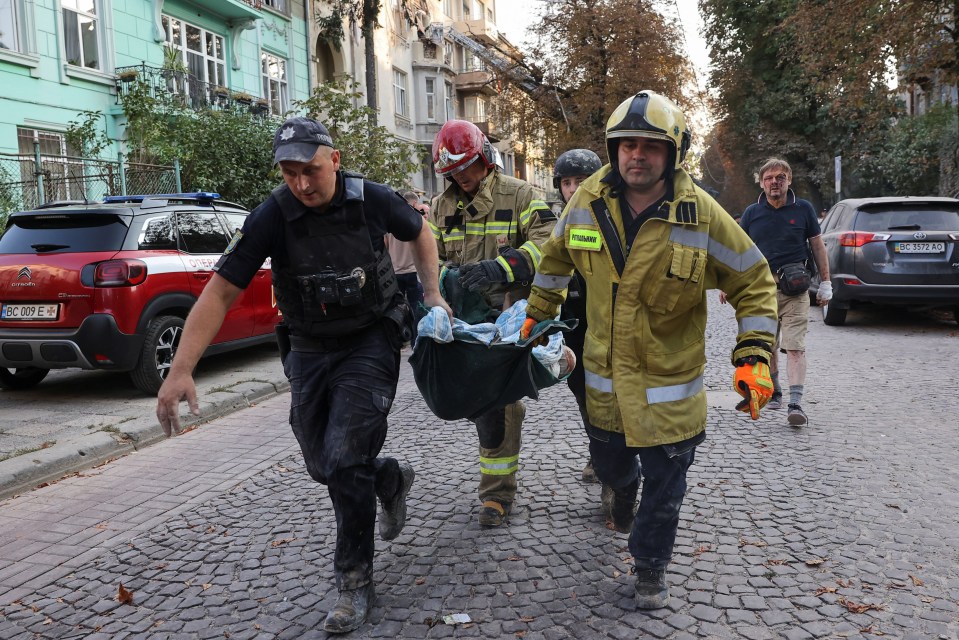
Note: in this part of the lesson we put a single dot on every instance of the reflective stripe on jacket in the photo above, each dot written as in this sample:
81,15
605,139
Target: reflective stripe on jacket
645,349
503,213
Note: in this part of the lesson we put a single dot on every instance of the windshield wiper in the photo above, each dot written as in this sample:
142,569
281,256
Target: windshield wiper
905,227
43,248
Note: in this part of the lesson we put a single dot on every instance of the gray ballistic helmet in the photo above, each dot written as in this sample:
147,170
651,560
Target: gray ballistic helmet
575,162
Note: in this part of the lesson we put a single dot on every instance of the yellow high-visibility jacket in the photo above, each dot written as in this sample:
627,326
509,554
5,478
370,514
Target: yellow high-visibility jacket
503,213
645,348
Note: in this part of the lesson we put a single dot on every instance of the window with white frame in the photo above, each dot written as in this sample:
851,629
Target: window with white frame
81,33
466,10
400,91
479,10
448,52
475,108
275,88
202,51
62,167
450,112
448,8
431,99
9,25
280,6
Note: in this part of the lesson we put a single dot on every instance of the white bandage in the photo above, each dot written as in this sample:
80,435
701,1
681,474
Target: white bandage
825,291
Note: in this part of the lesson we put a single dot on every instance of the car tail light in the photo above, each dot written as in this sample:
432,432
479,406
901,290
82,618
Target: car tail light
859,238
852,281
120,273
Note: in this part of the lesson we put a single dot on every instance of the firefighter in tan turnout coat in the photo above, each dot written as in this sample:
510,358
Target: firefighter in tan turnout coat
490,226
649,244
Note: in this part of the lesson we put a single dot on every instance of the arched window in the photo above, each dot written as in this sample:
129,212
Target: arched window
325,63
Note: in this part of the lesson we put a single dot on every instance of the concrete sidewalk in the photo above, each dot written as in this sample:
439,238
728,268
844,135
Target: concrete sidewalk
79,429
846,528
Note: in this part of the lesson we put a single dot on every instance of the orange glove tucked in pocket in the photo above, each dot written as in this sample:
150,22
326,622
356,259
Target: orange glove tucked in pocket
753,383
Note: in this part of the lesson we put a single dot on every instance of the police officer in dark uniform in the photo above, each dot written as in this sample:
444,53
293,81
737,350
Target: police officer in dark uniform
344,324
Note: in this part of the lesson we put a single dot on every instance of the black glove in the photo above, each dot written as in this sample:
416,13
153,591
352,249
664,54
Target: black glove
479,276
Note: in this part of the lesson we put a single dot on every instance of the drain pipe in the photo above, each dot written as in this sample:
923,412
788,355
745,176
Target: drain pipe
309,48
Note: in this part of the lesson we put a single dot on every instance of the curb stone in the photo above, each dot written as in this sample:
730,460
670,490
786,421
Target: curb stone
28,471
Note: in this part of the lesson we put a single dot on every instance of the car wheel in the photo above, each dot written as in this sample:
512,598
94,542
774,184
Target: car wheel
24,378
159,347
833,315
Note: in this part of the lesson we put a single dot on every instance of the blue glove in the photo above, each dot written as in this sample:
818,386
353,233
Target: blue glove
479,276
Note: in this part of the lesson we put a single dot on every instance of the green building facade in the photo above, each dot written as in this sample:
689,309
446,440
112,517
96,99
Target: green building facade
59,58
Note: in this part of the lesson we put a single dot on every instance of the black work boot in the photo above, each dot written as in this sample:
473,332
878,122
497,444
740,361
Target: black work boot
619,505
652,592
589,474
393,514
350,610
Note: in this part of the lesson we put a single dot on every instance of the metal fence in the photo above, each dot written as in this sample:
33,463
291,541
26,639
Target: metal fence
28,181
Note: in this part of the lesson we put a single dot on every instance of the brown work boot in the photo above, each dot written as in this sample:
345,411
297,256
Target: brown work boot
350,610
493,513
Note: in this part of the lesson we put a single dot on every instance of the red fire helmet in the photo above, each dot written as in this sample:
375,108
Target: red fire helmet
457,145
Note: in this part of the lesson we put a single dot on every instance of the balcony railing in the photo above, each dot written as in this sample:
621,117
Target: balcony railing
185,87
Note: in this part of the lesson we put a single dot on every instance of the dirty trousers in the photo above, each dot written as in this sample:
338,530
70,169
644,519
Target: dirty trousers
663,470
500,435
339,404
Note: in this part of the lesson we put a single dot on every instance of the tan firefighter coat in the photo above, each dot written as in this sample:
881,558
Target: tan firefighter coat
645,354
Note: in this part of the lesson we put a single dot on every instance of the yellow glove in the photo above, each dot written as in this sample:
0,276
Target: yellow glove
753,383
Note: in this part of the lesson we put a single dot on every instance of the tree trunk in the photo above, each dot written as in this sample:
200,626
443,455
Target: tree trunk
371,9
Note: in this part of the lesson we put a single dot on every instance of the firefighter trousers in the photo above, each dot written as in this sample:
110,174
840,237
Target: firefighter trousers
500,435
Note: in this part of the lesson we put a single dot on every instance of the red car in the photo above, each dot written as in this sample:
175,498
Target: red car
108,285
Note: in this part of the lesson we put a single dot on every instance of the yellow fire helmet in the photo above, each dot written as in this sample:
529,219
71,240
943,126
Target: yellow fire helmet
648,115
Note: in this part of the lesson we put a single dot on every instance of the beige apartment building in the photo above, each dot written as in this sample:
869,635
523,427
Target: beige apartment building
436,69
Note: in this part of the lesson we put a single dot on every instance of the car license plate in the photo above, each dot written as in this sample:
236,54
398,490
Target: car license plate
20,312
920,247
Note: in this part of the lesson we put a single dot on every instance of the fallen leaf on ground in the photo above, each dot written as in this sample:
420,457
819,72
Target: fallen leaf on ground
822,590
814,562
277,543
916,581
124,596
420,581
702,549
856,607
752,543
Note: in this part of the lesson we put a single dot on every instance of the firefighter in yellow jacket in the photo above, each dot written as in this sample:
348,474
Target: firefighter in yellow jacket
649,244
490,226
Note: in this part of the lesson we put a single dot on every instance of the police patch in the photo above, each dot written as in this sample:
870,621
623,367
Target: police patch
233,242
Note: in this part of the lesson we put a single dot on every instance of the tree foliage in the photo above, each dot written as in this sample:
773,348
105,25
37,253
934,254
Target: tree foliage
808,80
588,56
228,151
364,147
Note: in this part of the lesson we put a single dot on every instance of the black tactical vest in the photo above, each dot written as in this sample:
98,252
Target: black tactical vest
334,283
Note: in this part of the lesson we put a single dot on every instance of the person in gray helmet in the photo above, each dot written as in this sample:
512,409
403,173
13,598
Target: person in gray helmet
573,167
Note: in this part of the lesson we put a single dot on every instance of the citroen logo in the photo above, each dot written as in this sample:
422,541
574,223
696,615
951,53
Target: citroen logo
24,274
919,235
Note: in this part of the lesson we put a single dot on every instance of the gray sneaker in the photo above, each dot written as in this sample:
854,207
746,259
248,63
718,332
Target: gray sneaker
652,592
776,402
796,417
393,514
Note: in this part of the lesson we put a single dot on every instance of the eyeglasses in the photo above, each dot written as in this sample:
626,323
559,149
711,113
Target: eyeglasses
780,178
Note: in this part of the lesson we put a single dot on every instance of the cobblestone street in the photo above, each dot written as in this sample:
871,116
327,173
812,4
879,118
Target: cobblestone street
848,527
